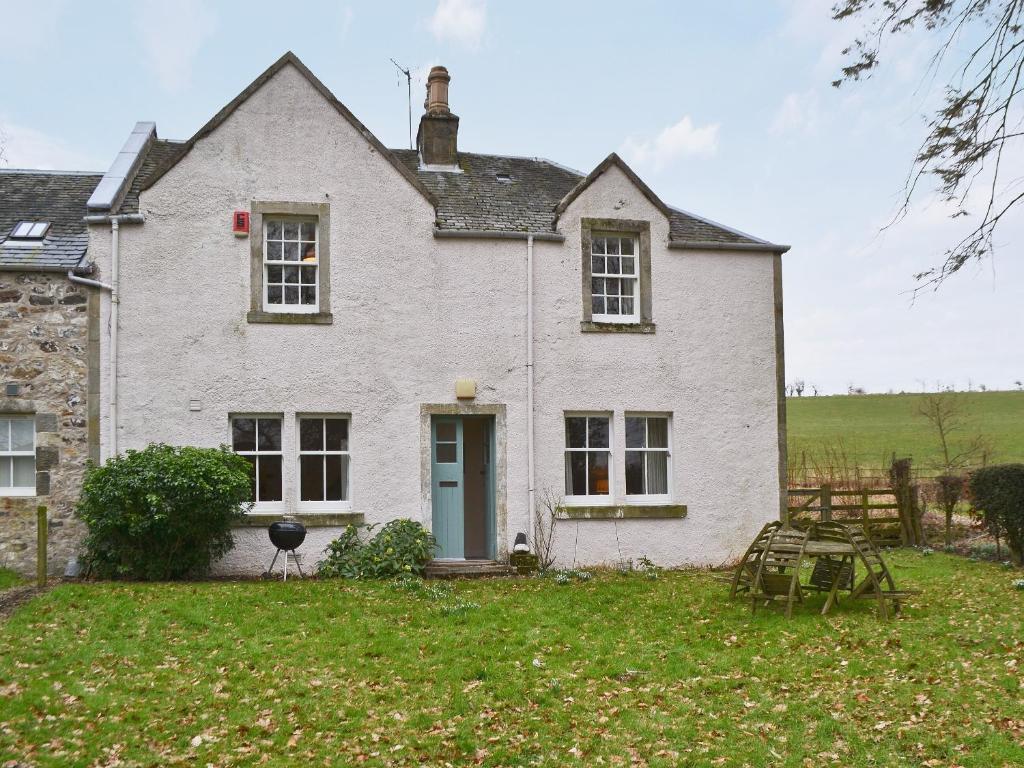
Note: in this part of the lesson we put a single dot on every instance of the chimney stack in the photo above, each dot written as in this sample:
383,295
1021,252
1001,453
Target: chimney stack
437,138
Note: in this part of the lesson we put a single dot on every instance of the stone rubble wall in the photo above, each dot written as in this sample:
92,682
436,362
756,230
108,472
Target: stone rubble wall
44,337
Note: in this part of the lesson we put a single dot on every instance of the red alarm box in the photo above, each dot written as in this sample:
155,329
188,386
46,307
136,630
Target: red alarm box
240,223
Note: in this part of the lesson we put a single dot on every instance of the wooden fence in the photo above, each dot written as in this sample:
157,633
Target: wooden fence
876,509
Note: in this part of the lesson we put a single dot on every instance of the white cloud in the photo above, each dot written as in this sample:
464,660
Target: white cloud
172,34
344,21
460,20
24,147
26,25
799,113
676,141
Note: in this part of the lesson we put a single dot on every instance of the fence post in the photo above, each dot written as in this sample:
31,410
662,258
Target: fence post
42,536
826,503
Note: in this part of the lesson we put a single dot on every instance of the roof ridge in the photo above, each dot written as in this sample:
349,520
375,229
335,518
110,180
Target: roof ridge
46,172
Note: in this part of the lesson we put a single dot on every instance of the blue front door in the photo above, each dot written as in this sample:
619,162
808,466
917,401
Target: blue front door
447,491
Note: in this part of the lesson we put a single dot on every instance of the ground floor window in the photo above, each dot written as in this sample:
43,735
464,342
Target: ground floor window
258,438
17,455
587,457
324,461
647,456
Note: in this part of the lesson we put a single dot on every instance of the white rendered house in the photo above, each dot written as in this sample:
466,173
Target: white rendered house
438,335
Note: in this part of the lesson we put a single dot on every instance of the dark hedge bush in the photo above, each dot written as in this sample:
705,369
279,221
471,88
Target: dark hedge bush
997,492
400,547
164,512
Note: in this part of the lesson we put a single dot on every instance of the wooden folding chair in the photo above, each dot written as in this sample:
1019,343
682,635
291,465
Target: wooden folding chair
778,571
878,583
745,572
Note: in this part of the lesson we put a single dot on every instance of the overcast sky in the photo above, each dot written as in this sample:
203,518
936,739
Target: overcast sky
725,109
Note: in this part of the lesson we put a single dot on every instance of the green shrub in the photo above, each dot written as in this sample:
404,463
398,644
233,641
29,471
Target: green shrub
400,547
997,492
163,512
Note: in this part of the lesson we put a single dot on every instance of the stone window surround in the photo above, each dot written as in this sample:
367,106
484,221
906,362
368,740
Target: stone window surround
47,457
322,211
642,230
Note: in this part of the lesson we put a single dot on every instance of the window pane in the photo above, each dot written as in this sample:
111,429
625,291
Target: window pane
269,468
446,432
337,434
657,432
628,265
657,472
576,473
575,431
346,469
274,274
612,286
309,275
290,252
5,472
291,274
597,432
597,305
597,265
291,230
308,251
311,478
627,246
291,294
613,245
243,434
308,293
626,305
635,437
308,230
597,245
5,436
597,469
627,287
613,306
273,230
597,285
311,434
24,471
447,453
335,479
273,251
613,265
274,294
269,434
22,432
634,472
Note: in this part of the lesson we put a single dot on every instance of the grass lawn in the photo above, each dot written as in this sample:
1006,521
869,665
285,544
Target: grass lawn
871,427
619,670
9,578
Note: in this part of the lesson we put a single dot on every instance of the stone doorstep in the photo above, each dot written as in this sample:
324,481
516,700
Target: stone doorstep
466,569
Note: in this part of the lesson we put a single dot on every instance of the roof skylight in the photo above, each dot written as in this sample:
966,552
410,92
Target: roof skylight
30,230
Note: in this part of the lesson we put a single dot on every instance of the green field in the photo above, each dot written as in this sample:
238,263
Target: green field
867,429
619,670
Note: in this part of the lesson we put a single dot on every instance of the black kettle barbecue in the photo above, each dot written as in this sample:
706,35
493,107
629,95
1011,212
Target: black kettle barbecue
287,536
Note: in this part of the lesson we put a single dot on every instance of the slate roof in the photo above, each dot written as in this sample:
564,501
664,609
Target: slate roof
58,197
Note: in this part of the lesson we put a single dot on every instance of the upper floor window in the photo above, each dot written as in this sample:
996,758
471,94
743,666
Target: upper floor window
648,458
588,450
291,264
614,279
17,456
258,439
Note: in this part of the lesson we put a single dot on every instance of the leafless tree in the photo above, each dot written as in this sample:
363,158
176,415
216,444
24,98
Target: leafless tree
978,123
949,414
544,528
799,386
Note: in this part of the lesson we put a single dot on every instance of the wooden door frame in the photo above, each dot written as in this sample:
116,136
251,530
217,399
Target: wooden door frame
500,482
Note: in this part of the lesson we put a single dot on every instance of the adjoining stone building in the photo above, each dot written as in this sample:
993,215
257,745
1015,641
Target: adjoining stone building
48,368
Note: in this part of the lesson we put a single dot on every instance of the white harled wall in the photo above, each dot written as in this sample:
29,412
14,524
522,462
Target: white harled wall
411,314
